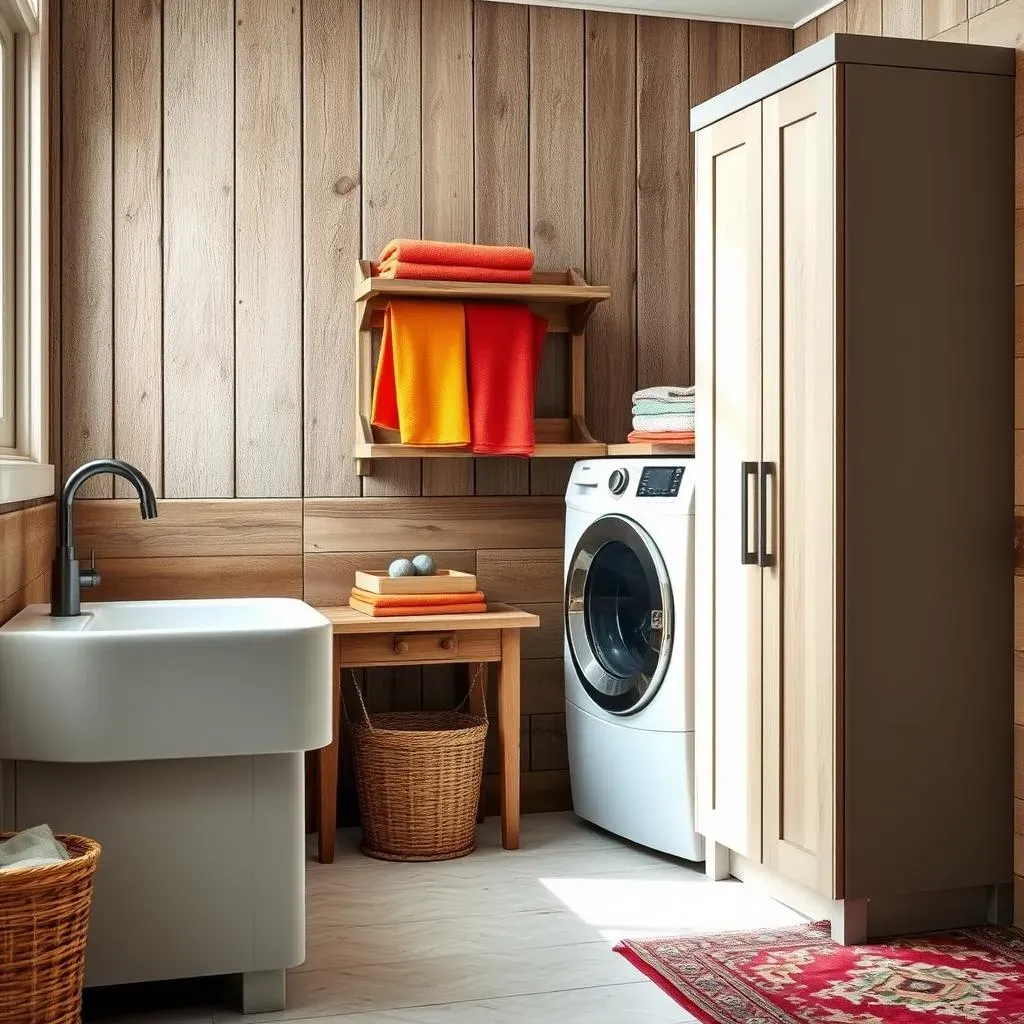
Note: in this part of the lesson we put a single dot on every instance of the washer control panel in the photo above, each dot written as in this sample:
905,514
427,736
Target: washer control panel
659,481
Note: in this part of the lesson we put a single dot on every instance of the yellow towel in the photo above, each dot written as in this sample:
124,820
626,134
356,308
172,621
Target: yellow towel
420,388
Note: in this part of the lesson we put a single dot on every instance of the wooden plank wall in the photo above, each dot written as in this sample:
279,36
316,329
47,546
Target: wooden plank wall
220,167
27,538
994,23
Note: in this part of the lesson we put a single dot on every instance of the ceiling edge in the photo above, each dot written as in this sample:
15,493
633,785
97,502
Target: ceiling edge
683,15
827,6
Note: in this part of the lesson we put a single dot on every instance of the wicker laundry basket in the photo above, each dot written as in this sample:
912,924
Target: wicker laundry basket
418,776
44,924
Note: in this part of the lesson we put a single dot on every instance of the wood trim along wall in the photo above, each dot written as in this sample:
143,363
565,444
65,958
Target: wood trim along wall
213,186
994,23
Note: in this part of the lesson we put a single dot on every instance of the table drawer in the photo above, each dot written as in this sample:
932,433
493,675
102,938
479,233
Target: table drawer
365,649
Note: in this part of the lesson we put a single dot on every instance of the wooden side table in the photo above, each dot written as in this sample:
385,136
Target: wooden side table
363,642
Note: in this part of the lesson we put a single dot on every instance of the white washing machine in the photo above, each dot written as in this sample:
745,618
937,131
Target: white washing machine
628,609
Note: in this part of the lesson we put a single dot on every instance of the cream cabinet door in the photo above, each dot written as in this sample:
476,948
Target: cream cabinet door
728,430
801,367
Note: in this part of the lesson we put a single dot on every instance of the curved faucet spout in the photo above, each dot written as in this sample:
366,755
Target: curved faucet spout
67,578
147,499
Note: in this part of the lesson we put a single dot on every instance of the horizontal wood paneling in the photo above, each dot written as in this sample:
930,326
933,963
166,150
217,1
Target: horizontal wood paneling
542,686
548,750
516,575
540,791
329,576
172,579
440,524
546,641
203,527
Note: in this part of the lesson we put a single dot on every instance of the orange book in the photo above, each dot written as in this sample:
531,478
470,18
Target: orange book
378,612
416,600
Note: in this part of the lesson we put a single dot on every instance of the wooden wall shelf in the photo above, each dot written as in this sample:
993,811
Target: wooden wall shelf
562,297
644,448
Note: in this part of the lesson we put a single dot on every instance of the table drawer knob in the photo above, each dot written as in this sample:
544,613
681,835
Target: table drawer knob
447,643
401,647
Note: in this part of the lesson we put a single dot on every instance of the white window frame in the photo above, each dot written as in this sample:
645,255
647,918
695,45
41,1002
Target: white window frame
26,472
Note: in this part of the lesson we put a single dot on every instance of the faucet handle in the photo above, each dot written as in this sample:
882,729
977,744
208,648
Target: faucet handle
89,577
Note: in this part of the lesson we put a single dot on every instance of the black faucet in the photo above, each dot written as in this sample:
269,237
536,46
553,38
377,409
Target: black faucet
67,579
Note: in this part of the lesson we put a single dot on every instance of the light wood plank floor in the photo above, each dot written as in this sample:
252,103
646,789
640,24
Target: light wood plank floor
496,937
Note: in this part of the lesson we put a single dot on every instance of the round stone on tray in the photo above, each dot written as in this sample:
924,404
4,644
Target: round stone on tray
424,565
401,567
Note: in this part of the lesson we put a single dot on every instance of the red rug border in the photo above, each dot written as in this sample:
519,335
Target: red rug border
653,974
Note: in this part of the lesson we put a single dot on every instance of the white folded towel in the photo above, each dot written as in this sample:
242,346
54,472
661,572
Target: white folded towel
665,394
664,422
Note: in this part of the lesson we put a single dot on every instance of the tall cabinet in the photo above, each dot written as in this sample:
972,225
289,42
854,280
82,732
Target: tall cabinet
854,371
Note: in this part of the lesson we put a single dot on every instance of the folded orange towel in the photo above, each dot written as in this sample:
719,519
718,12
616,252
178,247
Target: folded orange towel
680,436
378,612
457,254
447,272
420,386
417,600
504,343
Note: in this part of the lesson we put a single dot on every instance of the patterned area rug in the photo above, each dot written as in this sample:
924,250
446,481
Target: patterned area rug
800,976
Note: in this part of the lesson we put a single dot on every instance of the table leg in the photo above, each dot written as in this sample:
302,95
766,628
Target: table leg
508,737
476,706
327,767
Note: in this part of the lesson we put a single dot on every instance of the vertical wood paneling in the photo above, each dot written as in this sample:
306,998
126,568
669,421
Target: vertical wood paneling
87,212
447,161
864,17
556,193
664,196
501,140
611,219
976,7
834,20
902,18
805,35
391,163
268,243
761,47
332,223
199,210
940,15
138,217
447,157
714,59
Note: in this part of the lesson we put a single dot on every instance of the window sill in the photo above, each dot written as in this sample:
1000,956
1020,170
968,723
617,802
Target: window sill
24,481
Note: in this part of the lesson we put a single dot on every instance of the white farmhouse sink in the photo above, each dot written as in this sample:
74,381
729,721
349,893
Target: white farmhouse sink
150,680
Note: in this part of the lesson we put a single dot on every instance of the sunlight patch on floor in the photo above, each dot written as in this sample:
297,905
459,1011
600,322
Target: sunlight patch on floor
639,908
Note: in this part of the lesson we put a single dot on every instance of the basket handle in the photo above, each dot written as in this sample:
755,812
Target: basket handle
362,701
479,673
479,679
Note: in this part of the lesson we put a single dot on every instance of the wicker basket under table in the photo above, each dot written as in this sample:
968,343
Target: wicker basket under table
418,777
44,924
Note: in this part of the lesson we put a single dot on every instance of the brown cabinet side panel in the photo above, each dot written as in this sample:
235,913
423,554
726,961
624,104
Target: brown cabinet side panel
928,481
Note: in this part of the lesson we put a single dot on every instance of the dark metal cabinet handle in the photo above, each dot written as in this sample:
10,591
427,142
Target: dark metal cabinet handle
747,470
765,558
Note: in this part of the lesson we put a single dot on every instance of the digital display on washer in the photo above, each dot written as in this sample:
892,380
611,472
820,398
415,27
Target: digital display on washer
660,481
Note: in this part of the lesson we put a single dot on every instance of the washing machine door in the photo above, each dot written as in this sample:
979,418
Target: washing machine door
618,614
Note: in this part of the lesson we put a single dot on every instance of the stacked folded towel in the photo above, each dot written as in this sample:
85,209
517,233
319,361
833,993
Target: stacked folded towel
425,260
389,605
663,414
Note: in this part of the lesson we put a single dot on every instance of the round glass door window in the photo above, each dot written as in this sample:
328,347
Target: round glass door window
618,614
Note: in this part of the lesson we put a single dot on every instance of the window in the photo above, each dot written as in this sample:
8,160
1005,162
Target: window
25,472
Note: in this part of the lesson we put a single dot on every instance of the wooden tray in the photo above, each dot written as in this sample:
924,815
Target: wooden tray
444,581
